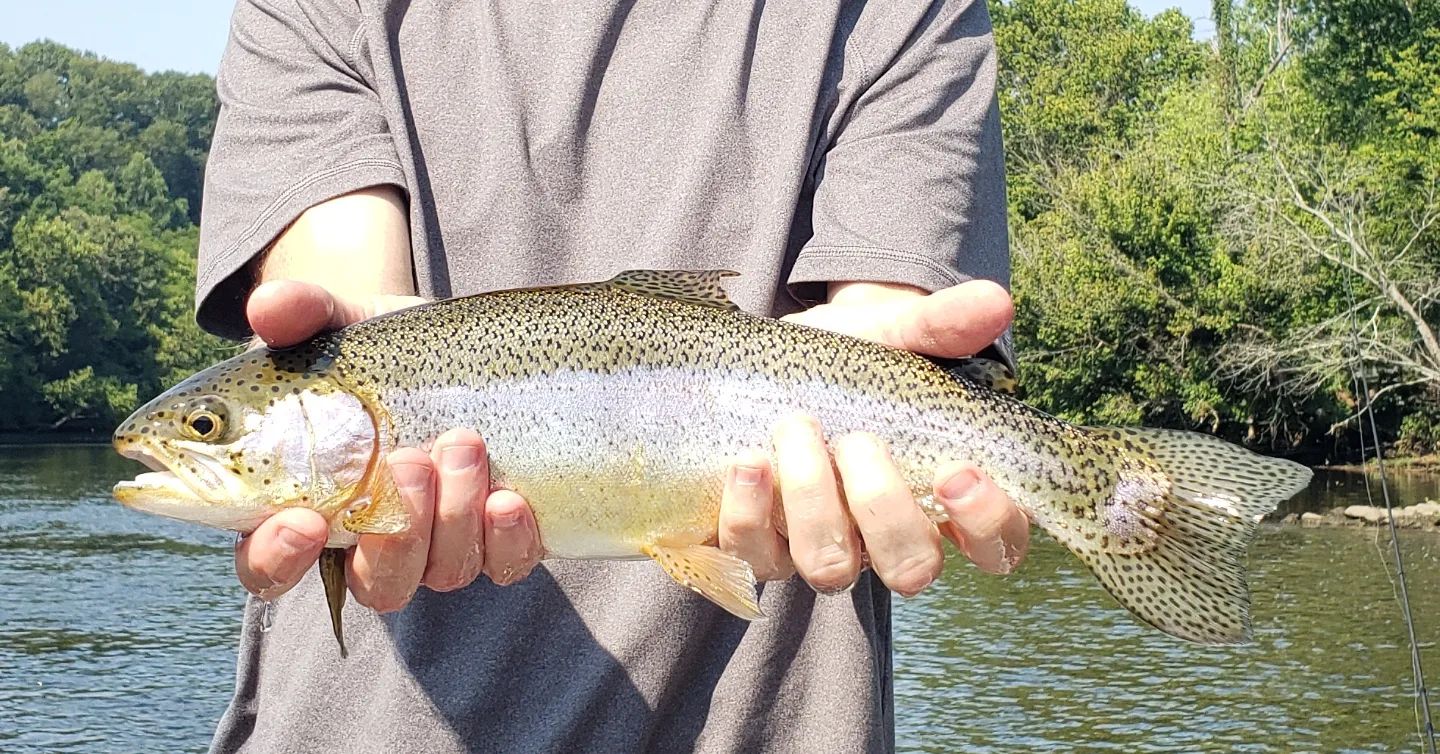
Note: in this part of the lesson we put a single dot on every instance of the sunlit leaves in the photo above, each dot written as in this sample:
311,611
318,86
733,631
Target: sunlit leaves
96,248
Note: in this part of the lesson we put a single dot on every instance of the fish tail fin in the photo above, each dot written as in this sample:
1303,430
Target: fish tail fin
1175,529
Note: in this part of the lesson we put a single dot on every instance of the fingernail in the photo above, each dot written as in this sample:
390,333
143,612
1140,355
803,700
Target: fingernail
507,520
1009,559
291,542
748,476
460,457
862,443
410,477
796,427
959,485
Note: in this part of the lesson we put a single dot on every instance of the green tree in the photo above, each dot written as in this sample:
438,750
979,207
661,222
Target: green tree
96,248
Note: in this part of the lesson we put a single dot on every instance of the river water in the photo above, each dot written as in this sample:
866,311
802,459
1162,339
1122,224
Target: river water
118,630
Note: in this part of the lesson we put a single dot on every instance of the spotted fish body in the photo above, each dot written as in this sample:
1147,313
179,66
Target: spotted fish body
614,407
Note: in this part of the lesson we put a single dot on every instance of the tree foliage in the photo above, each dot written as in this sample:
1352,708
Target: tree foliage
1195,224
99,187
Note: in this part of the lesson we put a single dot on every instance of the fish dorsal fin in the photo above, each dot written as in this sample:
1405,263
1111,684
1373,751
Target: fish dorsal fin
700,287
984,372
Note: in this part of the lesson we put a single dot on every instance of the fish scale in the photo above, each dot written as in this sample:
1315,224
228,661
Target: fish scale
613,409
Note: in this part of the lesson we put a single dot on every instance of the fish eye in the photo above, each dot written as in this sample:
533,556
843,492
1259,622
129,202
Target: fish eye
204,424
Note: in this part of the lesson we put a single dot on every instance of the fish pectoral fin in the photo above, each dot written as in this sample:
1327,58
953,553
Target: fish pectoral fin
383,513
332,575
701,287
723,579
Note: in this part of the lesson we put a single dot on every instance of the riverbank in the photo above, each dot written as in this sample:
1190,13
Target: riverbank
58,437
1423,516
1426,463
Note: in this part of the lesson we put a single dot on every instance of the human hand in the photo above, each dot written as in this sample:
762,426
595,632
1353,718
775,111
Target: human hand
825,534
459,528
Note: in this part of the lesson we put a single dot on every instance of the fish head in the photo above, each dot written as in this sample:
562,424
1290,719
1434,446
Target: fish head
238,441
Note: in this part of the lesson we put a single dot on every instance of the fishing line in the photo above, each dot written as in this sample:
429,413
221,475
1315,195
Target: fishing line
1424,724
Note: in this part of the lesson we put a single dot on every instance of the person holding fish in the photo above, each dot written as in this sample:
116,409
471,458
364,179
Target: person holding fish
844,158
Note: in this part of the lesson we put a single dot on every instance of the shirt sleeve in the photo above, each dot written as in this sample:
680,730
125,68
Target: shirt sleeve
298,124
910,187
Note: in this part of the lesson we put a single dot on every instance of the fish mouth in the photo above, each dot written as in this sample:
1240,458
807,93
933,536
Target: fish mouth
205,478
187,486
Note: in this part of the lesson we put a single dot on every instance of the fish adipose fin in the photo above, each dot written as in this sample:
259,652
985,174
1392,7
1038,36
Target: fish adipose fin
1174,531
700,287
987,373
723,579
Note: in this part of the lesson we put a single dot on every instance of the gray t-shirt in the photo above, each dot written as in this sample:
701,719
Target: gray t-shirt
542,142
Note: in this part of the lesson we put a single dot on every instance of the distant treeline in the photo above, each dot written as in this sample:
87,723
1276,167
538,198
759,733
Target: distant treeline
100,175
1206,234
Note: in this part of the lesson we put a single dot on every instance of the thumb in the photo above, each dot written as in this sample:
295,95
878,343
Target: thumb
276,555
285,312
957,321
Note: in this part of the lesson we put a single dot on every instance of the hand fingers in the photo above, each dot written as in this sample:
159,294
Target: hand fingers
956,321
747,525
984,524
823,543
903,545
272,559
457,536
385,569
512,538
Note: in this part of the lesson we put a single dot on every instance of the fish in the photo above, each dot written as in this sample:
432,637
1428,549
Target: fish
613,407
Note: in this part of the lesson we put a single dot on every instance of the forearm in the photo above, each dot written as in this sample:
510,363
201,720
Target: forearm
354,246
856,293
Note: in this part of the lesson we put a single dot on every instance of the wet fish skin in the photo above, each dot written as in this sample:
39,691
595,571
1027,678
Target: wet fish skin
613,408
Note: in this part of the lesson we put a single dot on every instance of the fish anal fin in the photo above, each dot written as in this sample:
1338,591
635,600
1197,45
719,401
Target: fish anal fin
700,287
723,579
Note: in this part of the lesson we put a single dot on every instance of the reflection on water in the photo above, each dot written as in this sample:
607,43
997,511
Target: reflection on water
117,633
117,630
1332,489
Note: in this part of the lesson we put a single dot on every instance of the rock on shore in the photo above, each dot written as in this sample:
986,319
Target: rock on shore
1424,515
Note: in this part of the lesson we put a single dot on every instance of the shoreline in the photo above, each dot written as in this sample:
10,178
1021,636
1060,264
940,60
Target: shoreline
78,437
1427,463
1423,516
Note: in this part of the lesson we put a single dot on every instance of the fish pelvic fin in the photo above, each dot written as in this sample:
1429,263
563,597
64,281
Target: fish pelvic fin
1177,526
723,579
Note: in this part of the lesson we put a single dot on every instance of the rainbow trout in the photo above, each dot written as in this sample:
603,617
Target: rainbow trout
613,408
